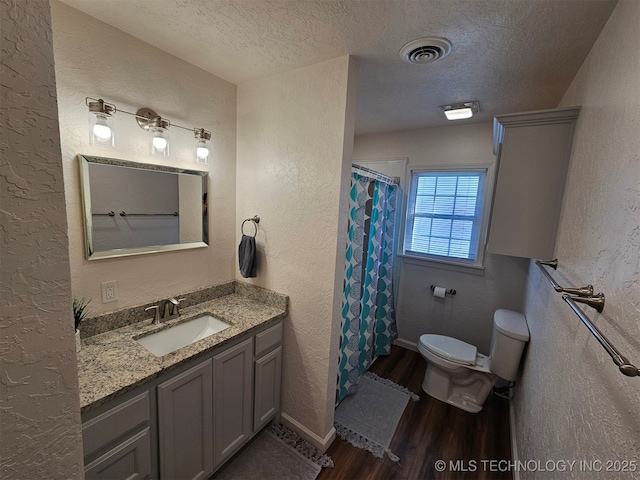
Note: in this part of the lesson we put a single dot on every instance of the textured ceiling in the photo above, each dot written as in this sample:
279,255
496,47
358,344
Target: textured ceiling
510,55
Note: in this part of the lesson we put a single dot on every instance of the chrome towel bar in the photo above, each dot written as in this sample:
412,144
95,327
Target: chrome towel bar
125,214
585,295
586,291
620,360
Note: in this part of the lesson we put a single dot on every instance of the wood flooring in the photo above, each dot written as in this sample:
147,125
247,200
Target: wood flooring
429,430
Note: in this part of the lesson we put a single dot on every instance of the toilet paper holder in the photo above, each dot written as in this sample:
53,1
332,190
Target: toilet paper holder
449,291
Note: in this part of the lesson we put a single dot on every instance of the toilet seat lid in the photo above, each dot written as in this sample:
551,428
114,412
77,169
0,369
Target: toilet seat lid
450,348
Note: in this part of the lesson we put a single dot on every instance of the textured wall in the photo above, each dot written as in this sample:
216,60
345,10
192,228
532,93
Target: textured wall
469,314
96,60
572,403
291,165
39,402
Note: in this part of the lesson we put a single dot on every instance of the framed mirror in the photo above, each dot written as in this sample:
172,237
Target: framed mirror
135,208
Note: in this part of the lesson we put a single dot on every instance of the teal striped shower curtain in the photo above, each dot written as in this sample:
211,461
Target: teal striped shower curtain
368,312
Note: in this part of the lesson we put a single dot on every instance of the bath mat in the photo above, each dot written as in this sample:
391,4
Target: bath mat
369,418
276,453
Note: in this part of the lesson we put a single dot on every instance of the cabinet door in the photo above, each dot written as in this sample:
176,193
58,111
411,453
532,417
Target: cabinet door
232,399
267,388
131,460
186,424
532,170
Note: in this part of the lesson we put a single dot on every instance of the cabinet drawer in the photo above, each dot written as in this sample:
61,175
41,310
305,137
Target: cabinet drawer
104,429
269,339
131,460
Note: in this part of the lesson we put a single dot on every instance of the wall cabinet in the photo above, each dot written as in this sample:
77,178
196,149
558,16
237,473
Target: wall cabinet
188,422
533,151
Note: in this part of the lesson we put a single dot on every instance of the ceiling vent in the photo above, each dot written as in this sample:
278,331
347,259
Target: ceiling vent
425,50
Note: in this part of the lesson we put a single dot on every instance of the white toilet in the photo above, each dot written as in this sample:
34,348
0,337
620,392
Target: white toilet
459,375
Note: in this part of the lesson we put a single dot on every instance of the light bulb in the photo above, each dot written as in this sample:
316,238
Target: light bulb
159,143
159,140
101,130
202,152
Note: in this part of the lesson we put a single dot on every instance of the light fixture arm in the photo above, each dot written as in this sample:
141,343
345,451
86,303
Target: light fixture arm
144,116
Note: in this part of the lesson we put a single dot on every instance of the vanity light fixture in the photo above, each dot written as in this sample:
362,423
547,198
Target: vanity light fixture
158,128
460,111
102,133
101,123
159,137
202,151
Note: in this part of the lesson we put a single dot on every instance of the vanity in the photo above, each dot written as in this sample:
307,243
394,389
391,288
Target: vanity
182,414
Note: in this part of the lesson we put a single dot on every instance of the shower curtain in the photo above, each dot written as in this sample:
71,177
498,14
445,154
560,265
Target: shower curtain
368,313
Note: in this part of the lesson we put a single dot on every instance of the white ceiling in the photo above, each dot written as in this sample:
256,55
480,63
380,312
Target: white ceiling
510,55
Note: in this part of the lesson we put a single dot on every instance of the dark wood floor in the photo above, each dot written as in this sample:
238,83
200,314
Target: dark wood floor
429,430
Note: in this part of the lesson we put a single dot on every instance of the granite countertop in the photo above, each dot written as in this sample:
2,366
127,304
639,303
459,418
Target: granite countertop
112,363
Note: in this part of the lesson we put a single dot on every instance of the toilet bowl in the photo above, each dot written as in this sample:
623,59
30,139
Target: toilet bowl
460,375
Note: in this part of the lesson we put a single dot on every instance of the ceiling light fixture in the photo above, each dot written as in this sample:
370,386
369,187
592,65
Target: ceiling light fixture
460,111
102,132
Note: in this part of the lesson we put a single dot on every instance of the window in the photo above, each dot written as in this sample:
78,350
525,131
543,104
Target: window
444,215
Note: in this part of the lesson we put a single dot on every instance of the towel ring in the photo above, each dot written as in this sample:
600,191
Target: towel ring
255,220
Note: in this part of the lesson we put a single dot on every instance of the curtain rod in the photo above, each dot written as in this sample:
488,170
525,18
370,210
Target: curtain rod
377,175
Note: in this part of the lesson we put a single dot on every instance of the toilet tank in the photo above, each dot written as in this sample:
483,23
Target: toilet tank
510,334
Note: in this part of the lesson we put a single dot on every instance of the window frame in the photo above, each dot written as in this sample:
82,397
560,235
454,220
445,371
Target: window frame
407,218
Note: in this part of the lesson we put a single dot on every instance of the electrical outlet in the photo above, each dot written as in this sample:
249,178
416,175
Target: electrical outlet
109,291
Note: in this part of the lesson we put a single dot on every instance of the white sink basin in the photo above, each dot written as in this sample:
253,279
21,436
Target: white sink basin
183,334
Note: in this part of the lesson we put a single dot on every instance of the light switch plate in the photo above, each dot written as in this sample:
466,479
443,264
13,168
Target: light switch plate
109,291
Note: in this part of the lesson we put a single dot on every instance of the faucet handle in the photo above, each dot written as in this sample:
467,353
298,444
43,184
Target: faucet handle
156,314
175,306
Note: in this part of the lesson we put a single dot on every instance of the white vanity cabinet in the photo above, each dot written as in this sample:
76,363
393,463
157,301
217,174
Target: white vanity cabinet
533,151
187,422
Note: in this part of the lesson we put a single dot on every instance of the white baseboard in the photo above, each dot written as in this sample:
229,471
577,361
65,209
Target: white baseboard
406,344
514,445
321,444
